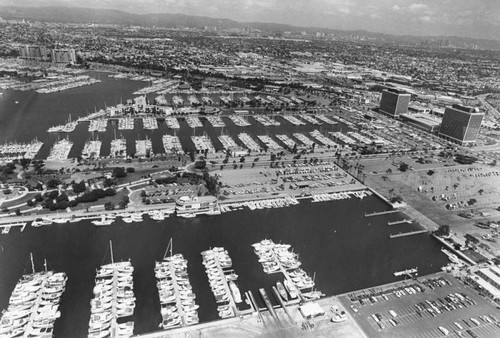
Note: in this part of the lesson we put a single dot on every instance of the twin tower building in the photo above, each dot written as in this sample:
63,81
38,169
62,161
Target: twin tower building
460,124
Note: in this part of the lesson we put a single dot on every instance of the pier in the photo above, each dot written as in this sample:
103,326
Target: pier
214,256
176,297
378,213
6,227
232,304
407,272
408,221
252,299
410,233
34,309
114,298
177,293
274,264
282,303
264,296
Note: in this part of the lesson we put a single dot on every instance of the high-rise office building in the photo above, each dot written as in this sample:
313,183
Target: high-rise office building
394,102
63,56
34,52
461,124
42,54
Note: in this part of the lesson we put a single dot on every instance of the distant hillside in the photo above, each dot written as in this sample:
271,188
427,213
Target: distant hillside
111,16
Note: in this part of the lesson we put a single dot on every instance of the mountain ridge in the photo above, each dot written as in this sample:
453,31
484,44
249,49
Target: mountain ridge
65,14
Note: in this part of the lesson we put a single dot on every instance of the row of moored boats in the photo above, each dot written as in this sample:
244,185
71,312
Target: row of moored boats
177,299
277,258
222,280
33,305
341,195
113,303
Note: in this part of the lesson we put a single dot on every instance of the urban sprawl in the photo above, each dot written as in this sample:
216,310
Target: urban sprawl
297,115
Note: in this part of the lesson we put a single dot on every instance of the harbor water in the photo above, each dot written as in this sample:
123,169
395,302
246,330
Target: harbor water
25,115
344,249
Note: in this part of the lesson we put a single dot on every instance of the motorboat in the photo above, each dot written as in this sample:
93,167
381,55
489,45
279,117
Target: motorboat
235,291
103,221
282,291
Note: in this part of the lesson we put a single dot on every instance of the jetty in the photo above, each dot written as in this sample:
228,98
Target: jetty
378,213
410,233
401,221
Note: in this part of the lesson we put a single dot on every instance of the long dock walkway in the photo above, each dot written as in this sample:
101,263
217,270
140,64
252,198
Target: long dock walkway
378,213
232,304
113,304
402,221
410,233
177,293
34,309
270,307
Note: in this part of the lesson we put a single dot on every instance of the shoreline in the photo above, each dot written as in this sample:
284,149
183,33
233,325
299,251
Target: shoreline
6,220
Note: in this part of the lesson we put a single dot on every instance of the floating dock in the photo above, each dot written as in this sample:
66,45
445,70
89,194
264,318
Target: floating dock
408,221
6,227
408,272
378,213
403,234
176,297
218,279
264,296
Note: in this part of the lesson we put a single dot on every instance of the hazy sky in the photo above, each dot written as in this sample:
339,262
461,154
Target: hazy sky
475,18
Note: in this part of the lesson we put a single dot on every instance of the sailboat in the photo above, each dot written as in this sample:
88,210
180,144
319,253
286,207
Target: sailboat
115,265
176,298
114,288
41,290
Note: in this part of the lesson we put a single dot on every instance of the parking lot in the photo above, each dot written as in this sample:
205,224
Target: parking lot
429,307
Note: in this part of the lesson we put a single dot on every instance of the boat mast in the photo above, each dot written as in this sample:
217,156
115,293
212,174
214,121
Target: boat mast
111,250
32,264
168,247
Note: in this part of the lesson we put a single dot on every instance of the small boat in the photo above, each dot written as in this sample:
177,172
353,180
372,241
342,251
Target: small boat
46,221
235,291
37,223
292,289
282,291
157,216
188,215
225,313
103,221
60,220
